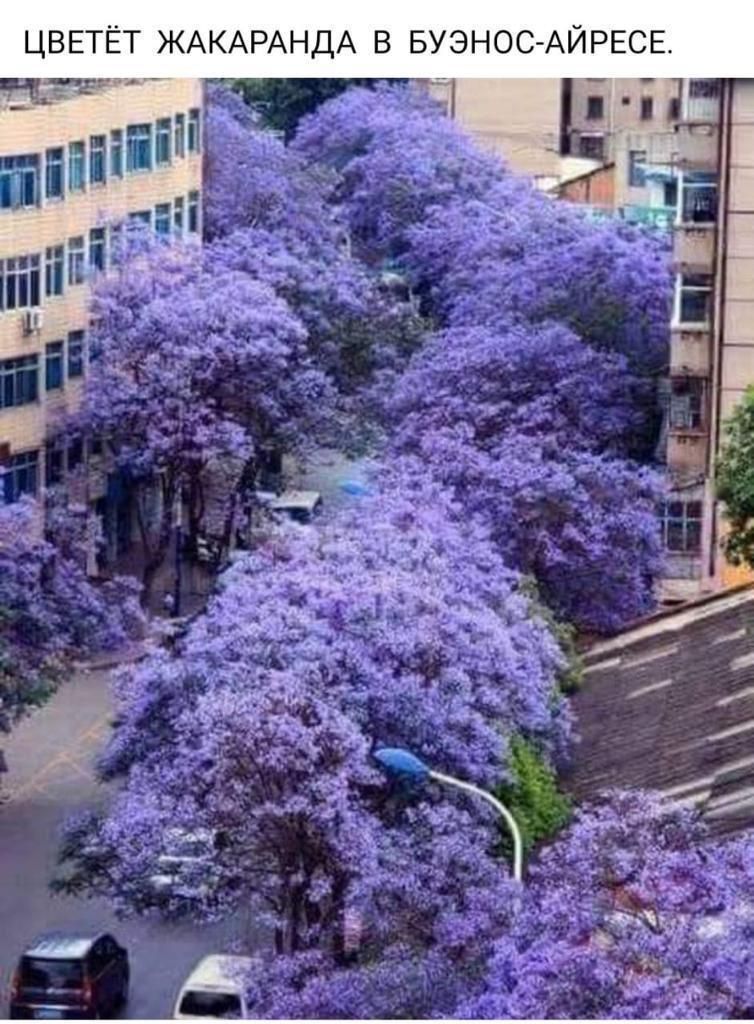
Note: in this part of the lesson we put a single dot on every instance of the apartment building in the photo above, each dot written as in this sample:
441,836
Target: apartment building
712,333
78,158
518,118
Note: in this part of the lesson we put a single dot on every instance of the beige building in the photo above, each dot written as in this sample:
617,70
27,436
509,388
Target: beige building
519,118
77,159
712,335
562,130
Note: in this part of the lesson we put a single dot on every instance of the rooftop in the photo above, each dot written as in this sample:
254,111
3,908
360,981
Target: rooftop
23,93
69,945
669,705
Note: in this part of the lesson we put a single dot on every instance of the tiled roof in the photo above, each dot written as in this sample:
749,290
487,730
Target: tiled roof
669,705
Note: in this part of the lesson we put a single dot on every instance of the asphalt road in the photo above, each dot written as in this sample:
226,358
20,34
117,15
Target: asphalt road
50,776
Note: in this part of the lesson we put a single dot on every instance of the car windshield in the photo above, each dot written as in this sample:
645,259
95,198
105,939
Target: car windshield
60,974
196,1003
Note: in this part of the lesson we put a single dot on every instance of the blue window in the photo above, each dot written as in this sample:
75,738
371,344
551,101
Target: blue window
179,146
54,174
162,219
116,153
19,381
20,475
97,249
19,282
19,181
76,354
54,366
139,147
54,270
76,260
141,217
193,212
97,159
162,140
178,205
194,131
76,166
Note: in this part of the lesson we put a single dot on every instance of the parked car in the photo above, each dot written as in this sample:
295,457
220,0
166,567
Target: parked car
70,975
214,989
294,506
185,870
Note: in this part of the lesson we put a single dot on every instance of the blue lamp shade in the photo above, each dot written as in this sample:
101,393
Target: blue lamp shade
400,765
355,488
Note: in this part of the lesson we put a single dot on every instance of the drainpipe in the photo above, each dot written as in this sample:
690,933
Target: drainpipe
718,316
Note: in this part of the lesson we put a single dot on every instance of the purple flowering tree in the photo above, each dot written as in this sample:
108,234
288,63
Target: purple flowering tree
49,609
195,370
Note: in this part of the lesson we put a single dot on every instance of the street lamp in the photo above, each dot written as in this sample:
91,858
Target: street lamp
405,767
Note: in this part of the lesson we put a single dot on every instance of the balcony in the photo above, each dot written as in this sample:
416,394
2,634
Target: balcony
689,351
700,100
694,245
686,452
697,145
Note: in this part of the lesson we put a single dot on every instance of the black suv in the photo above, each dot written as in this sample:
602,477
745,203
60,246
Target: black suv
70,975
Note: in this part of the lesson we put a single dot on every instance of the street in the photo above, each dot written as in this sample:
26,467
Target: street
50,756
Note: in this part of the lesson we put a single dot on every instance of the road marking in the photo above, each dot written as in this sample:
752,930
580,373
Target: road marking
65,757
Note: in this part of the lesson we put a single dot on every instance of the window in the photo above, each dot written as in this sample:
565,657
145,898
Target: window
53,463
139,147
695,298
637,168
647,108
19,381
97,249
682,526
162,141
76,354
595,107
670,193
116,153
76,260
626,101
179,145
54,366
54,173
162,219
76,166
674,108
141,217
699,197
97,159
54,270
193,212
19,184
19,282
178,204
704,88
117,239
687,403
194,131
592,146
20,477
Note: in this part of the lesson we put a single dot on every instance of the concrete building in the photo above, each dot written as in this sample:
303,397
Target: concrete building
712,333
77,158
519,118
580,130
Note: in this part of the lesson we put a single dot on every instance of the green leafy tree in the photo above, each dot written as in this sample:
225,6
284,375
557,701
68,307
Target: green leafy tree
735,482
532,796
282,102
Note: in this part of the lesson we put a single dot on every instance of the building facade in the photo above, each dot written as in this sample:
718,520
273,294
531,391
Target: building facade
78,158
712,331
518,118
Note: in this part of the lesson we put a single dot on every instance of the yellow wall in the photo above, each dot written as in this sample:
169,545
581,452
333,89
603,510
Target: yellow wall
46,125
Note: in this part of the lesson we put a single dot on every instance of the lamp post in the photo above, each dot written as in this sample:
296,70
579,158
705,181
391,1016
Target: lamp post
403,766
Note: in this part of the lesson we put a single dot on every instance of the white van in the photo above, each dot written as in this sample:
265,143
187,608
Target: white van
214,989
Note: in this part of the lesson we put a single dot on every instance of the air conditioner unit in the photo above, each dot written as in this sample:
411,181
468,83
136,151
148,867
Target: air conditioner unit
33,320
